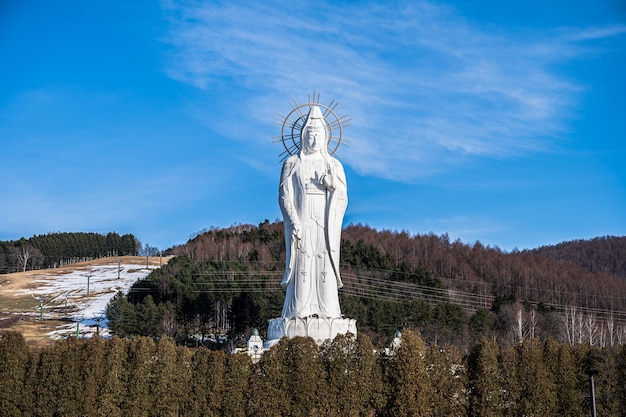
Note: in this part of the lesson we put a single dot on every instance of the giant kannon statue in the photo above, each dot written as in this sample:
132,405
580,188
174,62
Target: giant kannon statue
313,199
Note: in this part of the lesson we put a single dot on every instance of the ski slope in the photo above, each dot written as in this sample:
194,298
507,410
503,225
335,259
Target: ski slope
77,295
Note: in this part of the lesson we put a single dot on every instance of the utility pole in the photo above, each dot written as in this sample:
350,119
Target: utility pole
98,318
88,278
40,309
592,390
78,320
119,266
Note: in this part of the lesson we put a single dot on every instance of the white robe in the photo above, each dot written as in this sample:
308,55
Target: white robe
311,277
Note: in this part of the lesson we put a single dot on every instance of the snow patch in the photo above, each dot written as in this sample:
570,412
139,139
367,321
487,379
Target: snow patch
59,290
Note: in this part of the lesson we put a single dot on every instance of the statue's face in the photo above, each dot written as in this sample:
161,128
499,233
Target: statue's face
314,137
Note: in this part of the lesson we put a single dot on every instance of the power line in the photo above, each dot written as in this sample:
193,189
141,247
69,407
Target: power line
375,288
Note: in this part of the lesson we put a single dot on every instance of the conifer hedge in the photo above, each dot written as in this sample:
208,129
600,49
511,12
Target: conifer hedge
345,377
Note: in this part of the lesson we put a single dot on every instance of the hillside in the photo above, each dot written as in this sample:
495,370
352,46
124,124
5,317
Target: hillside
393,279
586,274
63,293
447,289
606,254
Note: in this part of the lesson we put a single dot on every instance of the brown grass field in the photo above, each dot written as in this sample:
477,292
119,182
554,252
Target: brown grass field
19,309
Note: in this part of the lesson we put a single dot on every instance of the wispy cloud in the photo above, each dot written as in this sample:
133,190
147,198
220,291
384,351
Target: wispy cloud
594,33
426,87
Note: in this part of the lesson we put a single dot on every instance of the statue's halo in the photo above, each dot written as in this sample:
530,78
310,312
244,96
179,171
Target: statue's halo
294,121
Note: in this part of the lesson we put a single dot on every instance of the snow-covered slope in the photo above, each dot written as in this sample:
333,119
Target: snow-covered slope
79,295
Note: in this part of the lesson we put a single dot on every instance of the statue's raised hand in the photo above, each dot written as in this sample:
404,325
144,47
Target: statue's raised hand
328,180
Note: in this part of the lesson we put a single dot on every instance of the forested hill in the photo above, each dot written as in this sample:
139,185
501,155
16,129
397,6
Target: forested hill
227,280
605,254
56,249
580,273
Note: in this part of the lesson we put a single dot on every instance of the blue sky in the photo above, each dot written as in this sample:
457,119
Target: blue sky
498,122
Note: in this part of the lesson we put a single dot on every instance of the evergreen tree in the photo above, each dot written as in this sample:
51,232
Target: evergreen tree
537,391
70,354
237,385
509,382
620,366
14,364
354,376
271,383
92,371
411,392
46,382
141,356
584,360
168,390
121,315
448,380
481,323
607,384
207,385
149,318
449,324
244,313
56,380
371,372
562,369
483,380
306,378
113,389
183,378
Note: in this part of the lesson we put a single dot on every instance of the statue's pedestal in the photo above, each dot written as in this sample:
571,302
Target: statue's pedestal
319,329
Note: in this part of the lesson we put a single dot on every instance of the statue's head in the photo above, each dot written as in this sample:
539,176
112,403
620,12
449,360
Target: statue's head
314,132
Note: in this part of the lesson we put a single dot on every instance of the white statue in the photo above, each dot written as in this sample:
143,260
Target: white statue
313,199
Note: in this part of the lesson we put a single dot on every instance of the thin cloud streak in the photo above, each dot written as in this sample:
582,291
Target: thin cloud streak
597,33
426,88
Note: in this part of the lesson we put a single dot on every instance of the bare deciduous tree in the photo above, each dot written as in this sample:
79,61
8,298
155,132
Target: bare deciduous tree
591,330
24,253
610,325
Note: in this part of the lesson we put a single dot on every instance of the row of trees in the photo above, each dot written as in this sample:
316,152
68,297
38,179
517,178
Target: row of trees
344,377
57,249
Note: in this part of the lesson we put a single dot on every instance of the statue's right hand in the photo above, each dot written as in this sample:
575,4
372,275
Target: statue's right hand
296,235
